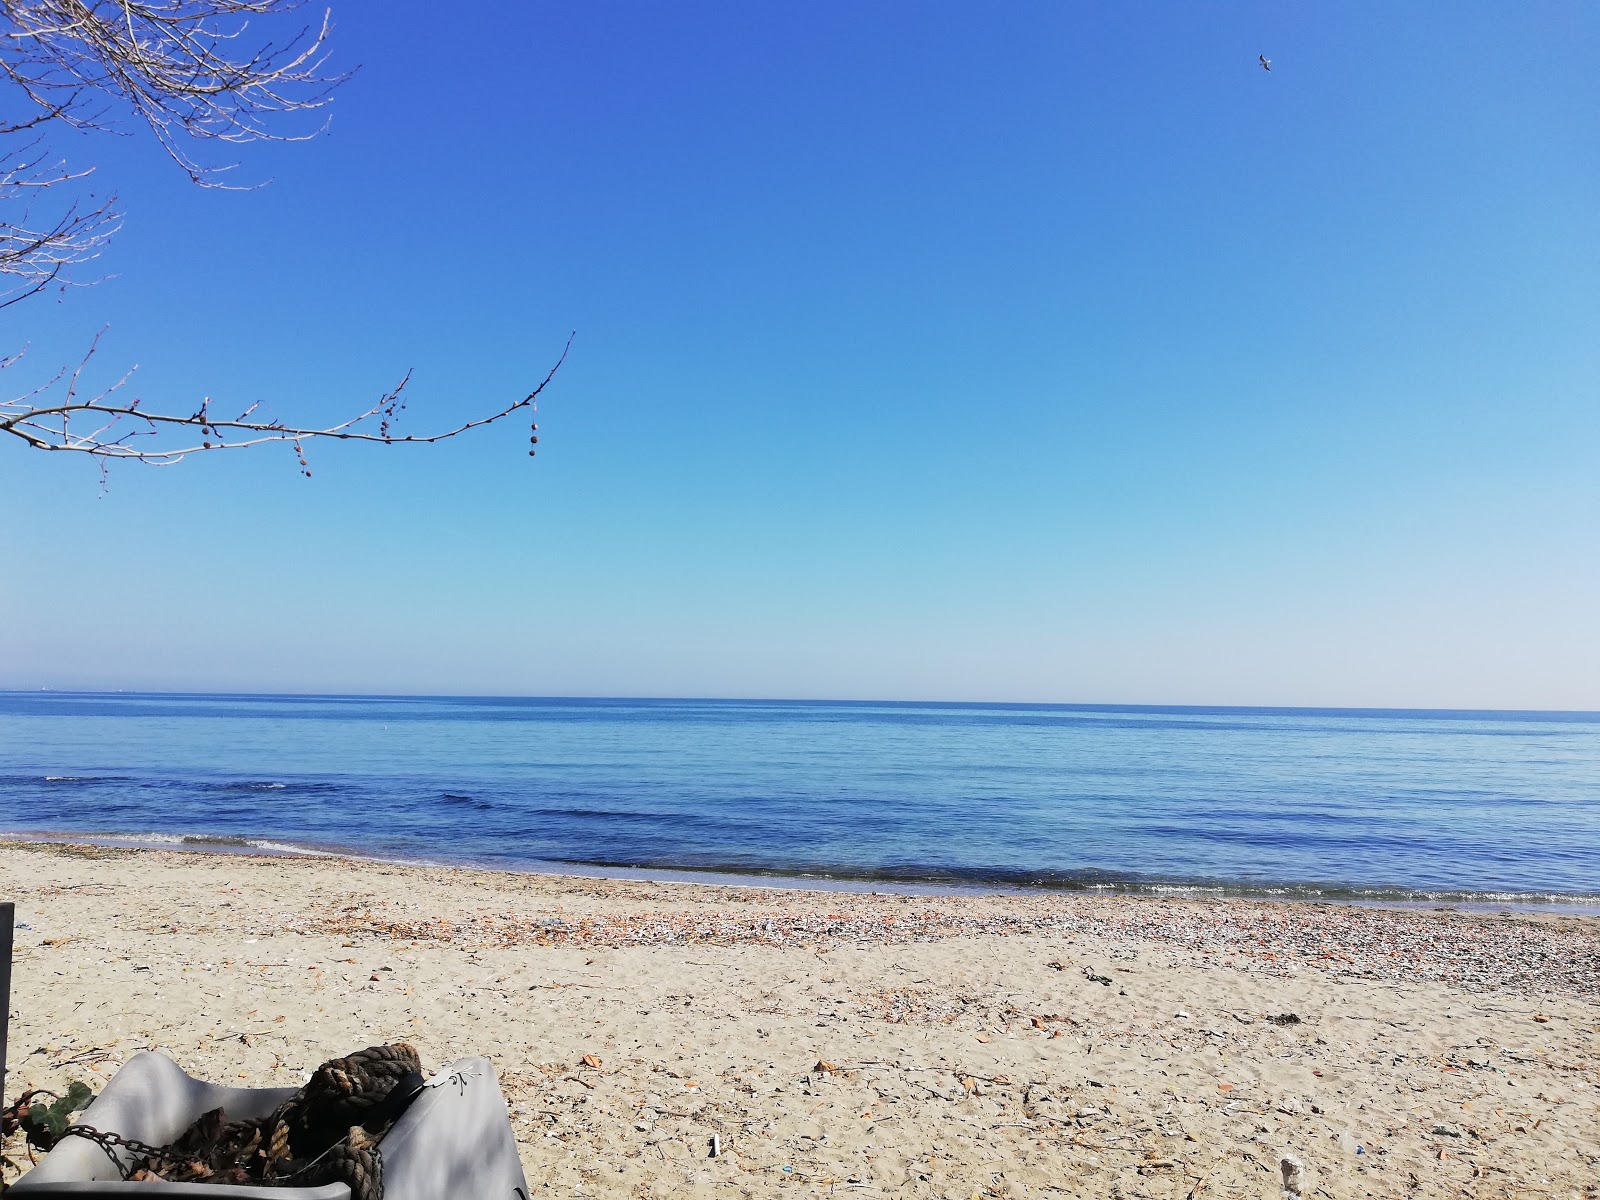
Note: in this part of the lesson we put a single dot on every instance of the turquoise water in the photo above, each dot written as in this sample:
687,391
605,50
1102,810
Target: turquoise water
1374,804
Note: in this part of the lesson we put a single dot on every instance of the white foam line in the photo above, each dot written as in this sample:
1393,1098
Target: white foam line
200,842
1368,898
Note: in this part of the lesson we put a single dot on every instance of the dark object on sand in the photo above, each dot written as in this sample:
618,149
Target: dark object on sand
8,914
154,1127
1285,1019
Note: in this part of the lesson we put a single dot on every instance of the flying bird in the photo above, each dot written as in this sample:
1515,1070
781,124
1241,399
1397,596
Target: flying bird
1266,63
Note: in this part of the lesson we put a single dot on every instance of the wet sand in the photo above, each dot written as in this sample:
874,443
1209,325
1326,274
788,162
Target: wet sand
835,1043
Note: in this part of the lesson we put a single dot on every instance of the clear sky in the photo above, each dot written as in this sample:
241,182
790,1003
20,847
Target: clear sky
1034,351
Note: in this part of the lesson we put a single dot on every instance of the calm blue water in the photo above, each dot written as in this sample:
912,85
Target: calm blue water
1384,804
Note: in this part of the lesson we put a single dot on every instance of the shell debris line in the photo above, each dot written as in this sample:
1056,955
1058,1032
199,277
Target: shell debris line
685,1039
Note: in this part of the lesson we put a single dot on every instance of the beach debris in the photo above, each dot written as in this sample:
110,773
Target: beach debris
591,1060
716,1146
1445,1129
327,1132
1294,1172
1288,1018
1477,954
1103,980
824,1067
1290,1105
1541,1018
1158,1164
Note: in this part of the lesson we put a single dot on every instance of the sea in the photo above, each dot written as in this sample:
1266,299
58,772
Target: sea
1497,809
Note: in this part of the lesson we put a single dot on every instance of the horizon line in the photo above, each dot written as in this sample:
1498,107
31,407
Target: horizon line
841,701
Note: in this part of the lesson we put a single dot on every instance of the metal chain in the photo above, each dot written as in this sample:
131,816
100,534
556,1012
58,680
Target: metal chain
108,1142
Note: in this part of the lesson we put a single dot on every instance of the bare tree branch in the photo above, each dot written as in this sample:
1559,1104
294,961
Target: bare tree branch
108,428
36,251
176,64
191,71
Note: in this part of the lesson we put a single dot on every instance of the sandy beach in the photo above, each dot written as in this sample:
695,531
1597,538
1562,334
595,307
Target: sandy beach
975,1046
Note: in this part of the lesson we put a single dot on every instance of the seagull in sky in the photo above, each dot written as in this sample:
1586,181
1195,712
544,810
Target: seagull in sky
1266,63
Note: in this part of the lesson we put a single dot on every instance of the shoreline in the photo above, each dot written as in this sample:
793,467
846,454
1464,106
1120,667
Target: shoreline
1556,903
930,1047
1401,941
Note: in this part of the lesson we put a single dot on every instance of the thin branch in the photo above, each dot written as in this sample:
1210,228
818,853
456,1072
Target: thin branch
174,64
118,425
36,251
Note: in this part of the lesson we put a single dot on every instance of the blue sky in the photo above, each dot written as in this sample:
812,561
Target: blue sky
1016,352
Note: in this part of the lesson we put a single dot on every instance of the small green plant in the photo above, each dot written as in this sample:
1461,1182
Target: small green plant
42,1123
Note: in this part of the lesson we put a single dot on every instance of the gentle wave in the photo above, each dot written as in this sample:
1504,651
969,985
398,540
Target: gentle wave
316,786
176,783
472,802
178,841
923,881
1111,882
